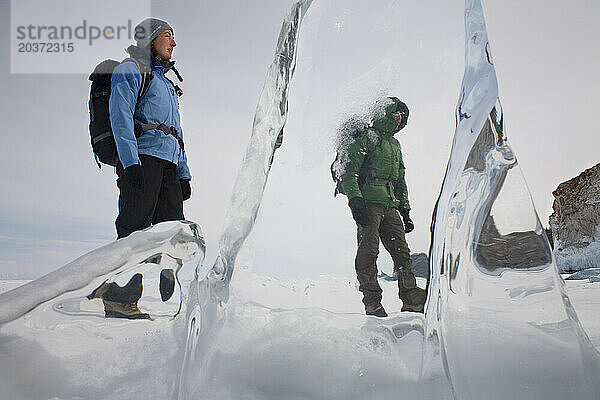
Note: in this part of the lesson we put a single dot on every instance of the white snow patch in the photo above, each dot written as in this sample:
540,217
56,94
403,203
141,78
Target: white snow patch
576,259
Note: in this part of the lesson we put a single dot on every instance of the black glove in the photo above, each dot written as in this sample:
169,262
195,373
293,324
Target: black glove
134,176
186,189
358,206
409,226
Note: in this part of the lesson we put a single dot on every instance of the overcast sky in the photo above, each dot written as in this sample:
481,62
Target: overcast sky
56,204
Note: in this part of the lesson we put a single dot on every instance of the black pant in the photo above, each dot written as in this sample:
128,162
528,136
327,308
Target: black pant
159,200
383,223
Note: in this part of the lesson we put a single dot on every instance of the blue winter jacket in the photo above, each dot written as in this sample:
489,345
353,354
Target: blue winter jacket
159,105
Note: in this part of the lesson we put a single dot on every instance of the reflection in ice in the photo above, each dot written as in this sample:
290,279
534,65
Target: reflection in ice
494,251
110,325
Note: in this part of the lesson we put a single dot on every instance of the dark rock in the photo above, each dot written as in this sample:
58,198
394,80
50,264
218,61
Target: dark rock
575,221
420,266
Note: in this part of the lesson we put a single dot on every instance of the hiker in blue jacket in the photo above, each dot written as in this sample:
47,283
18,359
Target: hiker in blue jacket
153,175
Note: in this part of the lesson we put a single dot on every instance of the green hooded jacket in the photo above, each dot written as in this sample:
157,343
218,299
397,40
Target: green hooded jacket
374,169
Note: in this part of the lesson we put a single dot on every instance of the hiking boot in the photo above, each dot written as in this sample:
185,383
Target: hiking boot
130,293
113,309
121,302
376,310
413,300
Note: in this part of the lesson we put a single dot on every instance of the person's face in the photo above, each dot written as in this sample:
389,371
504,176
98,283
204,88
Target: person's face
397,117
164,44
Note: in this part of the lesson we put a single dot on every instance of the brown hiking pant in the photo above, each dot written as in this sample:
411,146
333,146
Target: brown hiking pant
383,222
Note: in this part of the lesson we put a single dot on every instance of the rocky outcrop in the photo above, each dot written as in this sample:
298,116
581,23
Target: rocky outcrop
575,221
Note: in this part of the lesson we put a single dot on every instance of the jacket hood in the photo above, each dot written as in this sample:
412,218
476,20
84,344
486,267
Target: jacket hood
386,124
144,54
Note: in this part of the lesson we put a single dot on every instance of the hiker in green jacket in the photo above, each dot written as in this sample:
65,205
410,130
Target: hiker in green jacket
373,180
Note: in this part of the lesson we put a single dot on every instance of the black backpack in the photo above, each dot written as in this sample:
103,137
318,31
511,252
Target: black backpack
101,135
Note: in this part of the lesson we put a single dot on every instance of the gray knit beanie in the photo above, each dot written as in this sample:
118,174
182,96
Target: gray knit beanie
147,30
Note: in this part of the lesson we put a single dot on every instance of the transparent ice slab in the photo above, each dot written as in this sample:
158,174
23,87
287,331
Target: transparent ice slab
110,325
497,304
285,228
269,121
350,54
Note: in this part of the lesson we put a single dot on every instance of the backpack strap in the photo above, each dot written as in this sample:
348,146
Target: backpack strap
147,76
139,130
178,90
